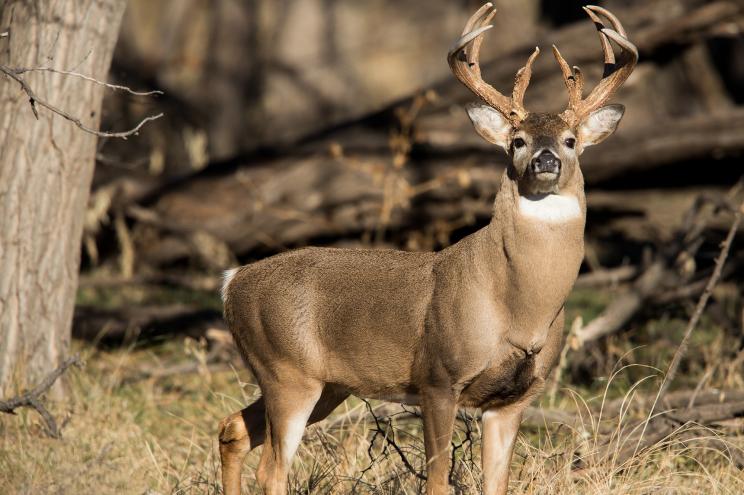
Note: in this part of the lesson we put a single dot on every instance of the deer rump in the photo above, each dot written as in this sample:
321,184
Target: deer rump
363,320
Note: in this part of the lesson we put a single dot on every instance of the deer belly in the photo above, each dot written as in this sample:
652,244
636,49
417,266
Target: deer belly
501,384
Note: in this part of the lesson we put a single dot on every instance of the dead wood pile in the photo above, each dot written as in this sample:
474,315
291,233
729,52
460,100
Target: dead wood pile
409,172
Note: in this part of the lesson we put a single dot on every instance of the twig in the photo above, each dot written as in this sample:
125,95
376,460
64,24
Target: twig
31,398
699,387
611,276
467,420
380,431
702,302
562,360
115,87
33,100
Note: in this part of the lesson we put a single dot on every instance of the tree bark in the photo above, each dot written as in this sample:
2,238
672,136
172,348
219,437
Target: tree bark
46,166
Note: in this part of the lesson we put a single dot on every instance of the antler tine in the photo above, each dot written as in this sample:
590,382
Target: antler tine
616,24
615,74
474,52
522,80
463,60
565,68
465,66
609,55
579,82
476,17
574,81
629,49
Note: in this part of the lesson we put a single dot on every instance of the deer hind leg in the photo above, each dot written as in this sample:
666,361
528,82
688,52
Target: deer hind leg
239,433
245,430
289,406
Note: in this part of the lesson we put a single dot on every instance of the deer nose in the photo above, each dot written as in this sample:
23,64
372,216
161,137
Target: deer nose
546,162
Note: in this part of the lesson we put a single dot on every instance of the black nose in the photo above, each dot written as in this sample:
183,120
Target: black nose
546,162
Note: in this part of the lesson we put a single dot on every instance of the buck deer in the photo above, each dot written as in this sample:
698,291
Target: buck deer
478,324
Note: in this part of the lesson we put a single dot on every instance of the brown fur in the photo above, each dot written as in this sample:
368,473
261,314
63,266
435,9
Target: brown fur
478,324
544,131
453,327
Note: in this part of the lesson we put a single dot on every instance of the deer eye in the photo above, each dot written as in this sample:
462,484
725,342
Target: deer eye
570,142
518,142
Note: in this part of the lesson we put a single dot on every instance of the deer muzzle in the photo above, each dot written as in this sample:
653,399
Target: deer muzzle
545,165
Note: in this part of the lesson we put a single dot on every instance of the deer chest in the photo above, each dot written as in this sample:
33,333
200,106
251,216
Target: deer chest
501,384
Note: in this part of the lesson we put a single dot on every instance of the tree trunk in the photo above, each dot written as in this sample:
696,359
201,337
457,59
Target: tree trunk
45,172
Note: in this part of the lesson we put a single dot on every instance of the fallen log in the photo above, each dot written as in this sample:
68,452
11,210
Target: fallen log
608,277
534,417
651,145
657,277
623,307
130,323
675,400
193,281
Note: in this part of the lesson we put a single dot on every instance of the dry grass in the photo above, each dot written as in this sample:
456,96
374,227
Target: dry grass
159,437
123,436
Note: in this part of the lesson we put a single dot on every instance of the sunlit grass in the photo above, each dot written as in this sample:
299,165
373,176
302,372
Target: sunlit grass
160,437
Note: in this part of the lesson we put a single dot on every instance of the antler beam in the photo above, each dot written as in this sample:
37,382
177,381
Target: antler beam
463,59
615,74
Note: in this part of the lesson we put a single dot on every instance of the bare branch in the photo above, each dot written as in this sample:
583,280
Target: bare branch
31,398
33,100
115,87
389,440
612,276
702,302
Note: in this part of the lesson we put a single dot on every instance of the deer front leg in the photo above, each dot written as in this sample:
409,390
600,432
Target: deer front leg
501,425
500,428
439,408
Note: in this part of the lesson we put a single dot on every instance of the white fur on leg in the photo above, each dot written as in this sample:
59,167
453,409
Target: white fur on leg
500,439
293,435
500,429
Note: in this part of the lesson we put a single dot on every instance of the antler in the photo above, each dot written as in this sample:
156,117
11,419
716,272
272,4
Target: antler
463,60
615,73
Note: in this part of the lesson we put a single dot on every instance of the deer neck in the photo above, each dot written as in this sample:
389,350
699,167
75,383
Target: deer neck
553,215
541,236
530,254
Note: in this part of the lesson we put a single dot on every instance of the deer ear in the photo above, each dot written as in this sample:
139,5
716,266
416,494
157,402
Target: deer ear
490,124
600,124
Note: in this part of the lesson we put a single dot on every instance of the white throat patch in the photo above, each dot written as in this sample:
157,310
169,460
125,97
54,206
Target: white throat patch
552,208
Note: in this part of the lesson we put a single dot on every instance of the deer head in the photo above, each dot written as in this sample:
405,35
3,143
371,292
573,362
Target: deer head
544,148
